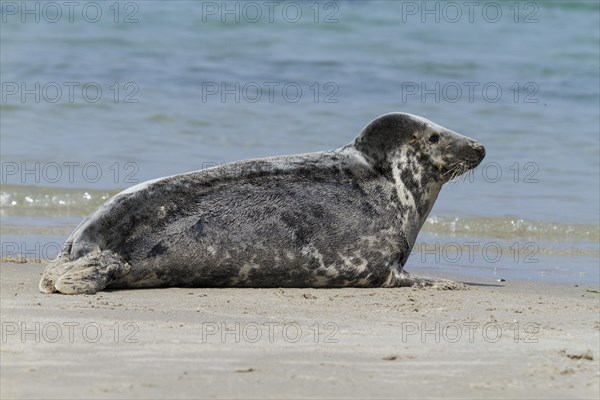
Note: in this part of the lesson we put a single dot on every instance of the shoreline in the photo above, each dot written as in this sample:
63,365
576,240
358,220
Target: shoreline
501,340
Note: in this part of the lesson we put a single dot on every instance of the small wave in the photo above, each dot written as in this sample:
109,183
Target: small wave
511,227
37,200
529,252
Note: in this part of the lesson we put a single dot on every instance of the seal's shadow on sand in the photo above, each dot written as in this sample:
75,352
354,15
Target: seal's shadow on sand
465,286
483,284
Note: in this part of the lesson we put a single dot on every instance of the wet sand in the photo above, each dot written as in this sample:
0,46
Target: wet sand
495,340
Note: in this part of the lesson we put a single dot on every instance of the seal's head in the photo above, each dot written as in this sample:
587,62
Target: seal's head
406,143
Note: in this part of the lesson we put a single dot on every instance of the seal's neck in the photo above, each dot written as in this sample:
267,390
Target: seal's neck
415,183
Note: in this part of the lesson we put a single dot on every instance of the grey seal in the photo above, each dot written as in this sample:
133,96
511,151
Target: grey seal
347,217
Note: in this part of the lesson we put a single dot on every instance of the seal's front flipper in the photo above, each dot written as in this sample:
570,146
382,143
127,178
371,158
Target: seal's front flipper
89,274
439,284
405,280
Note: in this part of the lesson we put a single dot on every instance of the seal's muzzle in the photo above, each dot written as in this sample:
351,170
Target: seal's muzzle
474,154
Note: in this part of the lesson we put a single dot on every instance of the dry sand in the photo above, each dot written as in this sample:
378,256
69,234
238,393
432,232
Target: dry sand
517,340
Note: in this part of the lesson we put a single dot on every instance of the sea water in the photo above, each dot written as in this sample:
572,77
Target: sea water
98,96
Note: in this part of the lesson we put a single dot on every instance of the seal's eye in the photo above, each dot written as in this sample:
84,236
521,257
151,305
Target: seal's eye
434,138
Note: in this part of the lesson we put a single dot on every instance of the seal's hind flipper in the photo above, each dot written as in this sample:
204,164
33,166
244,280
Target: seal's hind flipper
54,270
86,275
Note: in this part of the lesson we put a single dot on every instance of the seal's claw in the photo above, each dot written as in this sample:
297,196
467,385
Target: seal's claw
47,285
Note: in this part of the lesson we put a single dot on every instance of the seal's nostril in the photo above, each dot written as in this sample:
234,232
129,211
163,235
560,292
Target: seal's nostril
479,149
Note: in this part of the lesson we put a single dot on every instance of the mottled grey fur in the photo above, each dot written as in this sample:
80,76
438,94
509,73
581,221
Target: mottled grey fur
347,217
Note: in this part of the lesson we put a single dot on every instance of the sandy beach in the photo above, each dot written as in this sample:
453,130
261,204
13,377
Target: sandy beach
494,340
